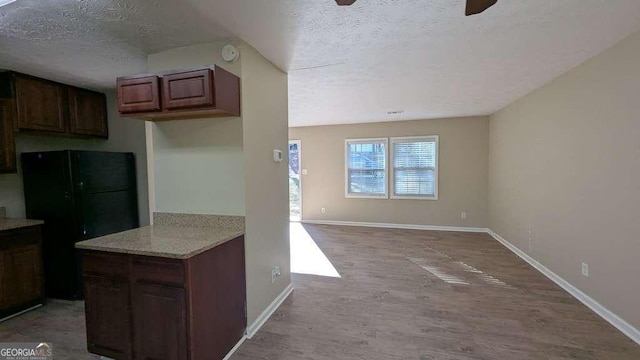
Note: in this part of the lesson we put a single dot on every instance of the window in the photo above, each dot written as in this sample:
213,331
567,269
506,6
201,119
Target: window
366,171
415,167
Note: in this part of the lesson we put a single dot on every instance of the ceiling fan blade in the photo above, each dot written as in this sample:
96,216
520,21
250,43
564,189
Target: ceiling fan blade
345,2
478,6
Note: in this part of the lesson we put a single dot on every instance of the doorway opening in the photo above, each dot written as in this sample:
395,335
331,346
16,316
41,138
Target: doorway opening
295,185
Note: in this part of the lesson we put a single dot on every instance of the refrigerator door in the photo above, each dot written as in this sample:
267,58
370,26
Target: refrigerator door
106,213
95,172
105,192
48,196
79,195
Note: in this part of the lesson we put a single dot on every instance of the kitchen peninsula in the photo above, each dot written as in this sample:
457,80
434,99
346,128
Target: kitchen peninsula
172,290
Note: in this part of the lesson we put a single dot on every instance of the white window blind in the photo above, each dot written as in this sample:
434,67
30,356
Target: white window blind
415,167
366,173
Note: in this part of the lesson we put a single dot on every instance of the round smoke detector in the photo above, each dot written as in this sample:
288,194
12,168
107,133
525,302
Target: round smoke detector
230,53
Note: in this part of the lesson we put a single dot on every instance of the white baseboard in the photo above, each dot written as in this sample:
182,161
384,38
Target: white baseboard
603,312
235,348
20,313
397,226
266,314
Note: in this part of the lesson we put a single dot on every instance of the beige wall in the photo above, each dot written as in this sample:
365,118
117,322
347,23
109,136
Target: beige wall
198,165
462,183
125,135
265,121
225,165
565,176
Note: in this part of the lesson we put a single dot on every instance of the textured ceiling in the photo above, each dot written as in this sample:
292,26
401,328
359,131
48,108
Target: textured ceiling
91,42
421,56
345,64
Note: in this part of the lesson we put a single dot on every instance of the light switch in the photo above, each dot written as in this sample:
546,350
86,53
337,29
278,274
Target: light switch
304,172
277,155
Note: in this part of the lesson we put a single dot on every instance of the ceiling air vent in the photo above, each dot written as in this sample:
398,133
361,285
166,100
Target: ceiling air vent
395,112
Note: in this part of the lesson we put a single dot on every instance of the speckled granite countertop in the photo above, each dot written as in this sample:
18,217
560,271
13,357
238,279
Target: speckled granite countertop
162,241
8,224
178,236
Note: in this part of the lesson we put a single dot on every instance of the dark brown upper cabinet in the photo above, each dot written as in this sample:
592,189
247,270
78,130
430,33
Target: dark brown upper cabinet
189,94
7,145
87,113
42,105
186,90
138,94
31,104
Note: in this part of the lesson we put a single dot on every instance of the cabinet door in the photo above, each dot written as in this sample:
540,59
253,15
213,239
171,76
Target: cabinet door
21,276
87,113
138,95
159,315
188,90
7,144
107,310
42,105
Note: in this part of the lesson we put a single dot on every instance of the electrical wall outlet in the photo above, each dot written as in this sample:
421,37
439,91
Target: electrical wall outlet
585,269
275,273
324,210
463,215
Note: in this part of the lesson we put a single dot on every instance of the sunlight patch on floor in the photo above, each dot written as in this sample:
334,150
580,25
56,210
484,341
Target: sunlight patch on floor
485,277
439,273
306,256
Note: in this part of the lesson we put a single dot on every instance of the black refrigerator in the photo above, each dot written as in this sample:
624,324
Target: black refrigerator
80,195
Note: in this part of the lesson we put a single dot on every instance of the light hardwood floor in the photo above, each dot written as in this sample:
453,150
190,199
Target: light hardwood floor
408,294
402,294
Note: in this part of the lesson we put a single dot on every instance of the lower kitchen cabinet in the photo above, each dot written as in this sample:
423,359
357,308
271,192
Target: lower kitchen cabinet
21,278
165,336
151,307
108,316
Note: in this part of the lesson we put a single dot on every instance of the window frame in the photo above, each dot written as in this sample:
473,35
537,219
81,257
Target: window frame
349,195
392,177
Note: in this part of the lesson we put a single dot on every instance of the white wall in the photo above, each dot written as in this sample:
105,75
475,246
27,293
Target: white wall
198,164
564,176
125,135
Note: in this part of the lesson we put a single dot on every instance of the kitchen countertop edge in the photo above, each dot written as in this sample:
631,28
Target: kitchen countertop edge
156,253
12,224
